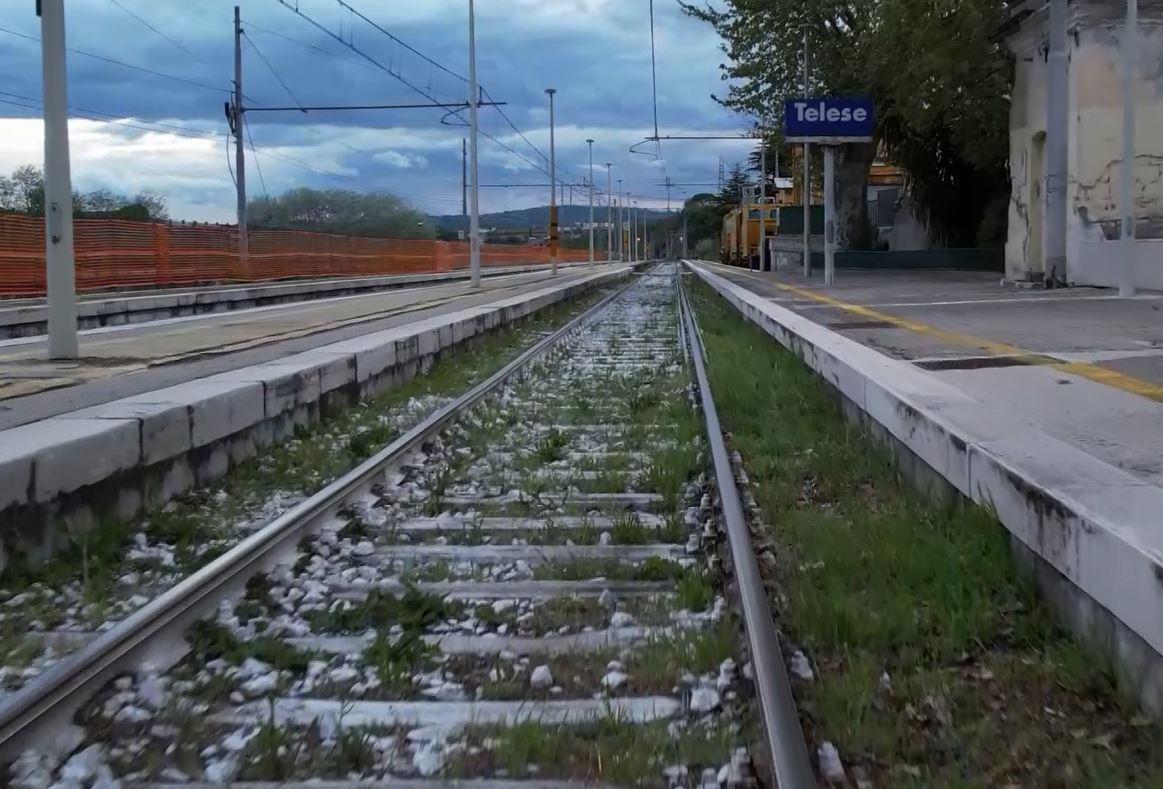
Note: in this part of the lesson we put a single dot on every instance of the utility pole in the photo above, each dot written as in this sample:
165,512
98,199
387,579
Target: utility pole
609,212
60,276
239,150
552,189
762,200
684,232
1057,136
621,206
590,143
464,179
634,232
1127,170
474,221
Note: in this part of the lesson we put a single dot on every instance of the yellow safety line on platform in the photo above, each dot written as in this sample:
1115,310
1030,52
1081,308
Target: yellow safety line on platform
1088,370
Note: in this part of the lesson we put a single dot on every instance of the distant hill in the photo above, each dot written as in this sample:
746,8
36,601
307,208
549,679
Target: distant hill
525,218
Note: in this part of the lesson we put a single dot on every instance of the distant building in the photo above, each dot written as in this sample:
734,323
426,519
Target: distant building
1095,142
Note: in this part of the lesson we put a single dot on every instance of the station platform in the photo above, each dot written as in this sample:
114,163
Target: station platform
1080,364
126,360
27,317
1044,407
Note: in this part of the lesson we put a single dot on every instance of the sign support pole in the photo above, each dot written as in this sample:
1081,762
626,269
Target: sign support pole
829,214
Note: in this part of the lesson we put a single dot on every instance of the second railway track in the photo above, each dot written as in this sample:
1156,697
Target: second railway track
540,583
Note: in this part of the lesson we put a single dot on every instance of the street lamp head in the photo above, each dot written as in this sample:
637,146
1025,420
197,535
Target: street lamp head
551,91
591,142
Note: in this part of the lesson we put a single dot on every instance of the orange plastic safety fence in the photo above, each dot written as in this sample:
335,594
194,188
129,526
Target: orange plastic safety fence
111,253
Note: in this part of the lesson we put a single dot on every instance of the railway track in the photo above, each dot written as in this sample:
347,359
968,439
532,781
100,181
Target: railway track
540,585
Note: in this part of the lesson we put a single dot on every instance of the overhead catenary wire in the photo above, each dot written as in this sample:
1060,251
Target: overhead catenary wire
177,44
254,155
120,120
386,69
123,64
273,71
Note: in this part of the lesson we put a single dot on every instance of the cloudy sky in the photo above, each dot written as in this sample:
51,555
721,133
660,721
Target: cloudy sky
132,129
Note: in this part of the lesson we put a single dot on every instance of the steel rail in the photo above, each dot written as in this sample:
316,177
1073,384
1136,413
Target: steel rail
786,756
40,715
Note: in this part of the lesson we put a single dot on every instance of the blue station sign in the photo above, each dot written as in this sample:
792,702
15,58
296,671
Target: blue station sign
828,120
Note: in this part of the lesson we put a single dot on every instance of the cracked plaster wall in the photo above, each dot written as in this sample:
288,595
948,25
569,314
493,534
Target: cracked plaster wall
1095,146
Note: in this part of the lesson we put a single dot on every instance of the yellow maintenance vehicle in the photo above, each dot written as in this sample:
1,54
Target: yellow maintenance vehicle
740,237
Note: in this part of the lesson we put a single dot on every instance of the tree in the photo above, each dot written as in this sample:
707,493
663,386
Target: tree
23,193
935,69
27,190
732,192
340,211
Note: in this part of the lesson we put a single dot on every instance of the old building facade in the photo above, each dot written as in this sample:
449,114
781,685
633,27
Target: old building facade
1095,149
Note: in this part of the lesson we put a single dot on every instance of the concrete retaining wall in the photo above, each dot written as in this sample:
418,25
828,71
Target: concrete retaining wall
61,476
27,318
1092,534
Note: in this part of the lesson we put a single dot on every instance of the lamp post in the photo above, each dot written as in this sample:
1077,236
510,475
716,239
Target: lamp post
621,223
552,188
590,143
609,212
474,221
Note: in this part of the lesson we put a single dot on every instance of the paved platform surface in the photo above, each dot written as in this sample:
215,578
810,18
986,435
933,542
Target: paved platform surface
1080,364
122,361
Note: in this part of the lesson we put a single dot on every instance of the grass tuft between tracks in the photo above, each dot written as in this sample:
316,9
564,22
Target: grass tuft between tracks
936,663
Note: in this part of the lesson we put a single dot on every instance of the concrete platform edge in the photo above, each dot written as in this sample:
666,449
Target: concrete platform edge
1091,534
63,475
28,319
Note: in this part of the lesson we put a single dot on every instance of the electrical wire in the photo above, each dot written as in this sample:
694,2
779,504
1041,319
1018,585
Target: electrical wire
254,154
275,73
160,33
386,69
142,69
406,46
512,125
104,117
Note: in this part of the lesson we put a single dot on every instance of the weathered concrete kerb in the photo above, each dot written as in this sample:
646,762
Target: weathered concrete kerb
1091,533
61,476
27,317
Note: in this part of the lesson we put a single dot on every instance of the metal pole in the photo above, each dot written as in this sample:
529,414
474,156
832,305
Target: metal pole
829,214
807,180
239,150
609,212
807,196
552,188
762,200
474,220
590,143
60,276
464,179
1057,141
634,232
1127,170
684,231
621,207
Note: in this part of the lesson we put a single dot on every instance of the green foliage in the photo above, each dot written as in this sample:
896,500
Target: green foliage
209,641
342,212
942,110
23,193
396,658
413,610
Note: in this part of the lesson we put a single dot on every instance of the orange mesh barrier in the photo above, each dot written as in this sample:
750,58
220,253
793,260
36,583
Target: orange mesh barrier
112,253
